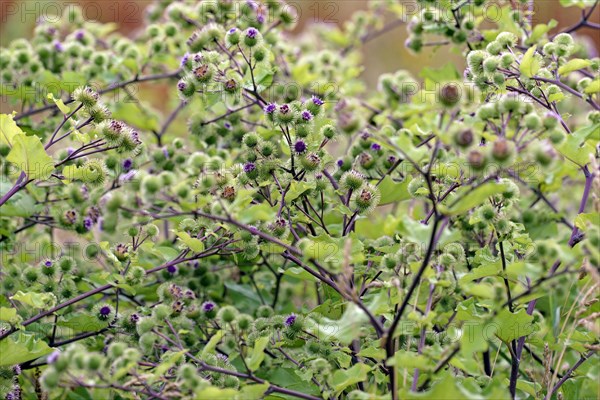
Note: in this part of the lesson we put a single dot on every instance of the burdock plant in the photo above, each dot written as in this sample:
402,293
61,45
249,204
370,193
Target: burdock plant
215,208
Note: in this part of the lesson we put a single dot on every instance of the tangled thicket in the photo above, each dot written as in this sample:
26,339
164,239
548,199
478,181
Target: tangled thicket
282,231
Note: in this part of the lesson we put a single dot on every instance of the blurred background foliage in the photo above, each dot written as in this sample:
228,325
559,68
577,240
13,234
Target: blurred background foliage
386,53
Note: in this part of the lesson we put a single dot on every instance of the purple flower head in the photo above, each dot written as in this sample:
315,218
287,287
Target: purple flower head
260,18
165,152
53,357
317,101
70,150
134,318
340,162
88,223
375,147
270,108
104,311
232,31
284,109
181,86
185,59
128,176
391,159
127,164
365,136
300,147
222,357
198,57
208,306
48,263
171,269
290,320
252,4
227,126
307,115
79,35
59,47
249,167
252,33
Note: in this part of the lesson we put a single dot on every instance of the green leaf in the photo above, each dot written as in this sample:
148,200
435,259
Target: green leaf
392,192
253,392
258,212
510,326
593,87
297,189
212,343
575,148
167,361
216,393
83,323
7,314
474,198
409,359
24,348
8,130
574,65
344,378
59,103
196,245
43,301
530,65
28,154
540,30
258,353
21,204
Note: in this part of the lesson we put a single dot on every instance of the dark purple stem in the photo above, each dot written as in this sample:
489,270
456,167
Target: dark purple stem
576,235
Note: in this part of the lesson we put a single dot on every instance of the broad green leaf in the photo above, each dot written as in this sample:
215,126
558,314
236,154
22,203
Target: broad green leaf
7,314
577,3
409,359
481,272
43,301
474,198
216,393
346,329
539,30
575,148
83,323
392,192
20,347
21,204
510,326
253,392
331,251
582,220
166,362
258,353
212,343
530,65
28,154
344,378
60,104
297,189
8,130
593,87
574,65
196,245
258,212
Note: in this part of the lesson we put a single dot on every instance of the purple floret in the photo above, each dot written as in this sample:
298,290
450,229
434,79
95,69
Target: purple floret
270,108
290,320
104,311
252,33
300,147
